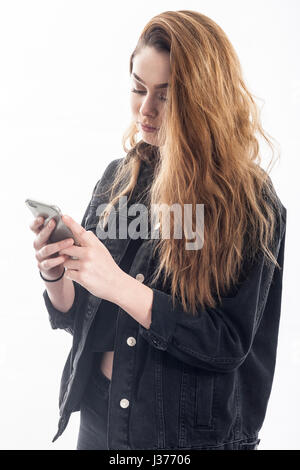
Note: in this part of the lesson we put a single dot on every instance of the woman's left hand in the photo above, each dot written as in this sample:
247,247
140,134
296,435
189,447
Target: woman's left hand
95,268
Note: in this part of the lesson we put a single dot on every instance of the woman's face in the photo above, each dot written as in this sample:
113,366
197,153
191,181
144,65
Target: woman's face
149,82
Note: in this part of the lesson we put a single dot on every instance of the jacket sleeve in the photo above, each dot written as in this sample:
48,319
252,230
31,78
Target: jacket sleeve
219,339
65,320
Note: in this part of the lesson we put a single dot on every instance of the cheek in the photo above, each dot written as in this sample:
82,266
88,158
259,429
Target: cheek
135,103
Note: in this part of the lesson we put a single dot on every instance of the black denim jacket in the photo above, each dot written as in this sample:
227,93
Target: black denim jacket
191,382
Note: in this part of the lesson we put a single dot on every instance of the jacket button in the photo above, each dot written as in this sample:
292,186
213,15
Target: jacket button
124,403
140,277
131,341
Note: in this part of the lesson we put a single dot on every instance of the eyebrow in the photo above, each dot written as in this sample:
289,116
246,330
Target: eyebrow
161,85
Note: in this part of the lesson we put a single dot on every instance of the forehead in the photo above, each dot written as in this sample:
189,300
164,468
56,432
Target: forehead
152,66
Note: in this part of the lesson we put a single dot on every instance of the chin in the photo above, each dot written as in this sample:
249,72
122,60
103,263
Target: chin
150,141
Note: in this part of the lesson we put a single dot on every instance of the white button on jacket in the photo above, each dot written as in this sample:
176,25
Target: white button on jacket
131,341
124,403
140,277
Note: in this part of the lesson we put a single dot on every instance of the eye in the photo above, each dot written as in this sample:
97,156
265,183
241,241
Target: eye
140,92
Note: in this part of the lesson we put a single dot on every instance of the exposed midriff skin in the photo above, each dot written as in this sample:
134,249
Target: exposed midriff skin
107,363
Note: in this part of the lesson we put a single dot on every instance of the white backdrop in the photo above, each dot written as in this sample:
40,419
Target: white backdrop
64,104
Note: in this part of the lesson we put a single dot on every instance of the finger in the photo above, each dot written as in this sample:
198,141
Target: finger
51,248
72,264
36,224
79,232
44,235
73,250
51,262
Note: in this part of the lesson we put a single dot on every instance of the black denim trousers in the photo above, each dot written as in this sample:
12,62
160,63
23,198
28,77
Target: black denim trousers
94,412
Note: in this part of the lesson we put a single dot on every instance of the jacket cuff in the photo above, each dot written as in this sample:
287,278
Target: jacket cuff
163,321
58,319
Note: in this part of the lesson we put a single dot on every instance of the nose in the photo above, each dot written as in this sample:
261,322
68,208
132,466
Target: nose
147,108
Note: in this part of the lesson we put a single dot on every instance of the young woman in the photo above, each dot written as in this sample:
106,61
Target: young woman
173,347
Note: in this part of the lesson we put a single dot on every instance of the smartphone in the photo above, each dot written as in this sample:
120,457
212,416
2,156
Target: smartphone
48,211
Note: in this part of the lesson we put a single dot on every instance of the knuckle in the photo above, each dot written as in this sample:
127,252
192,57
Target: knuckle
61,244
45,264
43,252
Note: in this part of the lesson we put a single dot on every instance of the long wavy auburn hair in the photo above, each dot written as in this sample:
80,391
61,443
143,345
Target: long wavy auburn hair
210,155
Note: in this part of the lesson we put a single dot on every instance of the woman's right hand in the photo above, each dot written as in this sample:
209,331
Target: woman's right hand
48,263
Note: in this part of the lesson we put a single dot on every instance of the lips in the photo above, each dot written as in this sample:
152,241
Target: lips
148,127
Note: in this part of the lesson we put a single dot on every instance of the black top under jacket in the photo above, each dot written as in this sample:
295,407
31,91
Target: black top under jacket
103,334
